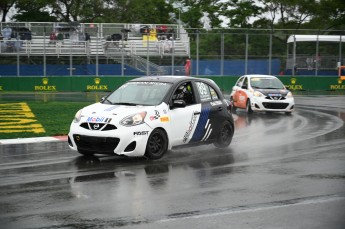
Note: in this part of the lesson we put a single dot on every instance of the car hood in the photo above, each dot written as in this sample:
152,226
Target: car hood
273,92
98,112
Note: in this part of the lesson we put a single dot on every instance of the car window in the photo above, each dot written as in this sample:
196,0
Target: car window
214,94
245,82
266,83
206,92
139,93
184,92
239,82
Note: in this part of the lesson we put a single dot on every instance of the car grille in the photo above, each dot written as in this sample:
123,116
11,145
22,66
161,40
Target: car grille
96,144
275,97
98,126
275,105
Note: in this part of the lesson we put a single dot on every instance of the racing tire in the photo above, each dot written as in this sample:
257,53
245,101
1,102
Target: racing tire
225,135
86,153
248,107
157,144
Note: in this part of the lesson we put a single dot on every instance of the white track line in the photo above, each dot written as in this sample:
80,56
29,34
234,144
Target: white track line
32,140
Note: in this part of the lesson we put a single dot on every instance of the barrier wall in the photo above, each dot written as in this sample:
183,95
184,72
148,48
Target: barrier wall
84,84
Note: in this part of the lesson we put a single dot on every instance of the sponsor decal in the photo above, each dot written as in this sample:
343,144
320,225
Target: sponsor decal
215,103
294,86
190,127
274,95
96,126
155,116
338,86
97,86
98,119
165,119
45,86
140,133
241,98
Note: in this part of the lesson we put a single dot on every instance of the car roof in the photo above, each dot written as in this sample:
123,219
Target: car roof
169,79
259,76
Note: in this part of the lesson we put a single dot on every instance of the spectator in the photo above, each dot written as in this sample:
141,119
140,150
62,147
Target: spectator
187,66
171,45
59,38
7,32
171,33
87,37
166,46
52,38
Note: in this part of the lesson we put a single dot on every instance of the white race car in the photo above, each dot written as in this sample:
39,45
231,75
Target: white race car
261,93
149,115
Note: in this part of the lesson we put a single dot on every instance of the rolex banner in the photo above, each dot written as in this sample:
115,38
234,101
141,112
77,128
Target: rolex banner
99,83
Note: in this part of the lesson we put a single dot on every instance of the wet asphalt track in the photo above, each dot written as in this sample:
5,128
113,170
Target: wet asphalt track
280,171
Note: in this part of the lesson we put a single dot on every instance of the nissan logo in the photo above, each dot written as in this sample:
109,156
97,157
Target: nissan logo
95,126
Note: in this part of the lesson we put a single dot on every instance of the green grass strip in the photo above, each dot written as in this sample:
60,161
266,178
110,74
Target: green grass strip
54,116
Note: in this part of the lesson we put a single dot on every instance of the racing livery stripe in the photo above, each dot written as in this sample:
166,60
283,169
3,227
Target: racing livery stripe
208,131
202,122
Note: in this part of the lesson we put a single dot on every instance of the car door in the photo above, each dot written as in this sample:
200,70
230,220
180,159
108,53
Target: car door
184,118
211,114
240,95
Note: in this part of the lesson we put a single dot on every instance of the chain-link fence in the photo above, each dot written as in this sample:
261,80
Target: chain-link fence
77,49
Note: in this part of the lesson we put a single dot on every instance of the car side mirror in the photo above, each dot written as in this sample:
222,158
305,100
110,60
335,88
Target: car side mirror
178,103
102,99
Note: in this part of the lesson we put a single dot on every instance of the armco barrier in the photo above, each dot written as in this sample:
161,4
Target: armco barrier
82,84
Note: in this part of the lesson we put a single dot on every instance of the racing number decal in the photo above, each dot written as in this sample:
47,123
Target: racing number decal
240,98
203,91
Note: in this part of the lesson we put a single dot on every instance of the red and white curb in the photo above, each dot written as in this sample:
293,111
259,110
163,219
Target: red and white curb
32,140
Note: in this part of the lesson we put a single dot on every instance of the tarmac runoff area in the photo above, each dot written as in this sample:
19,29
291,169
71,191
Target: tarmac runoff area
32,140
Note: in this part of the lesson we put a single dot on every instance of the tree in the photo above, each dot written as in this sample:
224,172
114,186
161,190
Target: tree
192,11
5,6
241,12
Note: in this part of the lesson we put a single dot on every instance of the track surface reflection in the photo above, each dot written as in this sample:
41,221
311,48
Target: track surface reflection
280,171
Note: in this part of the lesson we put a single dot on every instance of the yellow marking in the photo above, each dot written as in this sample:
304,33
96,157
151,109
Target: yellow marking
35,130
13,121
15,118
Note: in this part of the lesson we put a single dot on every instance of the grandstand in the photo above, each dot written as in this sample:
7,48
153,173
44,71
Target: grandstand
129,44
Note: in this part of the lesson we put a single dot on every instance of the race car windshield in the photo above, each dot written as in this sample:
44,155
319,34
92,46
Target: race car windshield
266,83
139,93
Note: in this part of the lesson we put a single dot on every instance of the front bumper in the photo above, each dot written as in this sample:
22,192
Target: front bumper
264,104
129,141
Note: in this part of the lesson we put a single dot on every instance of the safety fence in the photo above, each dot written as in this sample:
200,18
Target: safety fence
150,49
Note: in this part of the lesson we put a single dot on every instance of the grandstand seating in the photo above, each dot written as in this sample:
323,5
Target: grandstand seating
133,47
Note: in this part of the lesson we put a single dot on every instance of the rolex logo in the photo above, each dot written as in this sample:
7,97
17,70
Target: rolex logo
97,80
340,81
293,80
45,81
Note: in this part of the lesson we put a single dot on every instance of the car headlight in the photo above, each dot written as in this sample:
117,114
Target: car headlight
77,116
289,95
133,120
257,94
